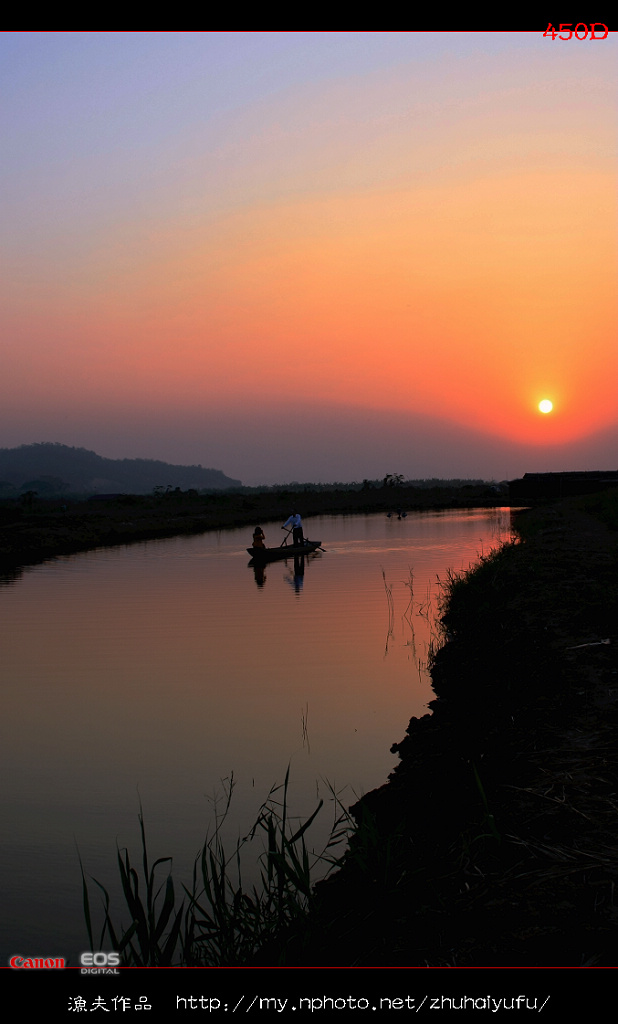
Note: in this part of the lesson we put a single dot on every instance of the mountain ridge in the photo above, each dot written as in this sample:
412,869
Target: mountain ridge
50,468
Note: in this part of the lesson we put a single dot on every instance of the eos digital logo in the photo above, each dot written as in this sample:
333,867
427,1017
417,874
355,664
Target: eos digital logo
99,963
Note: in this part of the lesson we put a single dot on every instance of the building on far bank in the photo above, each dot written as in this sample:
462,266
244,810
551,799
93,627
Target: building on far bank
554,486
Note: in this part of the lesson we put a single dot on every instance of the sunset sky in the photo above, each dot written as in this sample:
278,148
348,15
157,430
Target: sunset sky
312,256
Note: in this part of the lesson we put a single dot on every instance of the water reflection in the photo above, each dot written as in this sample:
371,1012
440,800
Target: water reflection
259,573
11,576
297,578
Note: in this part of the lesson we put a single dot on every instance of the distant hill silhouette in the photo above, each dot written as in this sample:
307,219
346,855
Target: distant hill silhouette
51,468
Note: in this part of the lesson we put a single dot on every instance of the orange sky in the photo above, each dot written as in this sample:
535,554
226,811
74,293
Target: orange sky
429,224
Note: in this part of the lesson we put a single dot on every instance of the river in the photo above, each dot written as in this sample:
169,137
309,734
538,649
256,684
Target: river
157,672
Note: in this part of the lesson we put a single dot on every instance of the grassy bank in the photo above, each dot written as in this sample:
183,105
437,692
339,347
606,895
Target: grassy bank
494,841
38,529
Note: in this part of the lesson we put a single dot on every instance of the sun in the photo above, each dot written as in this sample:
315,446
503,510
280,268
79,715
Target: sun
546,405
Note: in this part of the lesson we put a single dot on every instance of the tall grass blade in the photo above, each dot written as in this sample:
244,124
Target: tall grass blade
223,924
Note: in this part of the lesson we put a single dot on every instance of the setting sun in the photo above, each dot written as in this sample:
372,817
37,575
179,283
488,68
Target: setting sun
546,405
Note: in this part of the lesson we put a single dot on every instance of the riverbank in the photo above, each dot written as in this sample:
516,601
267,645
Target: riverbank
44,529
494,841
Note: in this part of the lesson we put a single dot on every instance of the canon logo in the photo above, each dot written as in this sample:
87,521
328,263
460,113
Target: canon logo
42,963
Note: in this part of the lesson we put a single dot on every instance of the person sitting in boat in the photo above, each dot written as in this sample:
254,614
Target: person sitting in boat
258,537
296,523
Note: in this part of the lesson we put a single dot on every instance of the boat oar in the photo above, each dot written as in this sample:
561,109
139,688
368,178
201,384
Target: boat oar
307,541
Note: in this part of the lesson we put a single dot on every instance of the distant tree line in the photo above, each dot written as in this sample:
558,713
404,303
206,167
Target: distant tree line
390,480
51,470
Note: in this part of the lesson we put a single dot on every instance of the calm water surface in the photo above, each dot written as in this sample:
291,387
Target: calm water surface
155,671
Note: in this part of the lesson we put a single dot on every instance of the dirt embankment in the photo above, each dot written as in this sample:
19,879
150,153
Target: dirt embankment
494,841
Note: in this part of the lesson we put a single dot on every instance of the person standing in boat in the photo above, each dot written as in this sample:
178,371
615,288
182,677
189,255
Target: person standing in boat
296,523
258,537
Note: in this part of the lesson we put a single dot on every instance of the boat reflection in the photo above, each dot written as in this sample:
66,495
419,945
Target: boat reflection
295,575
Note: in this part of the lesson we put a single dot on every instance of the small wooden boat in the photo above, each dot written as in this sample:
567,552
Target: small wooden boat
287,551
